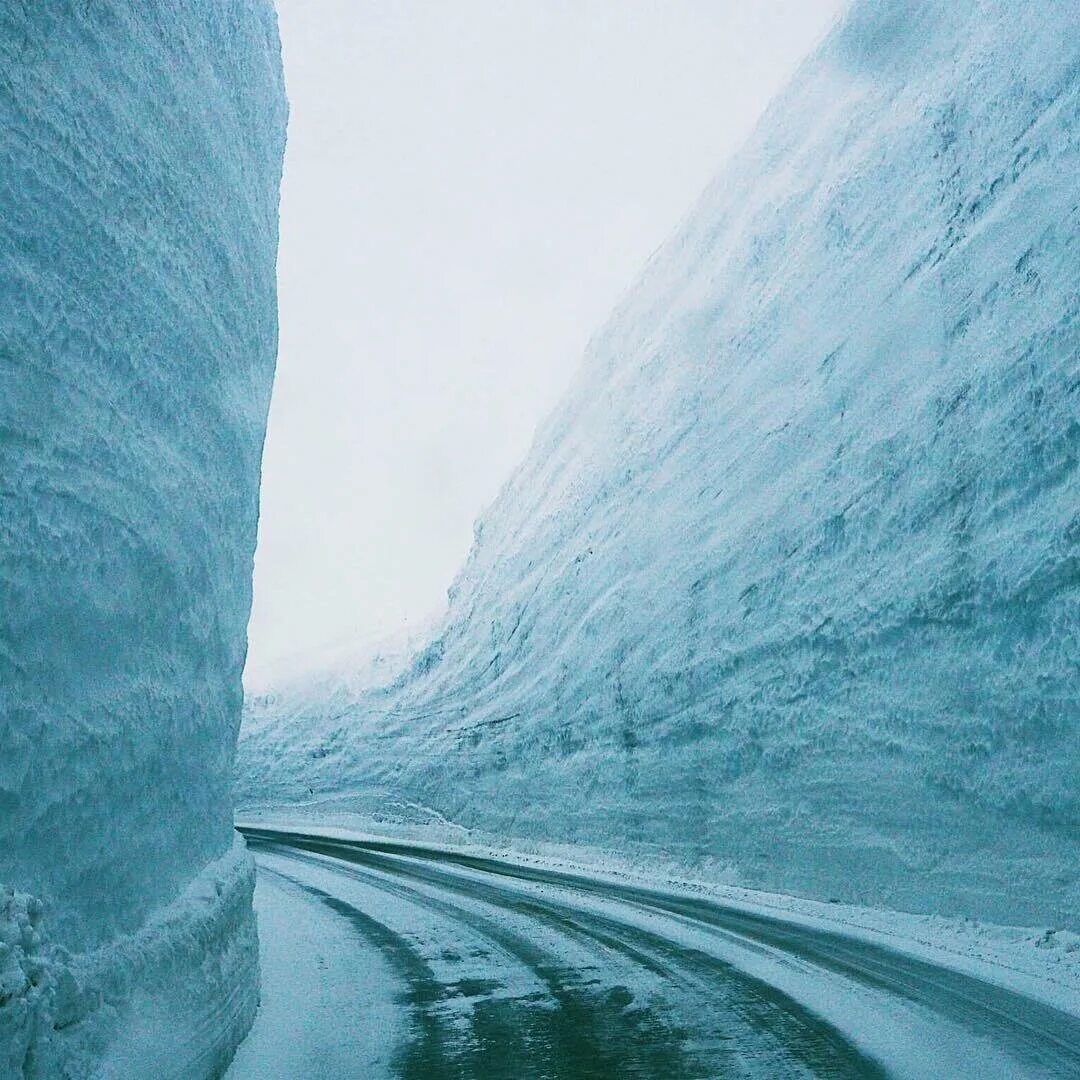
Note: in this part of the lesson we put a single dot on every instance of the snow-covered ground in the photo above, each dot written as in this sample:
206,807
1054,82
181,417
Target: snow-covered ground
786,592
1039,962
140,156
327,1009
476,962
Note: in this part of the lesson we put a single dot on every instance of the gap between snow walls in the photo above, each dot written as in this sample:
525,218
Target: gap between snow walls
141,146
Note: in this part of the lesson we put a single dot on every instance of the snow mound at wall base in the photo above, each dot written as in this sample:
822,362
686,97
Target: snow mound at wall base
172,999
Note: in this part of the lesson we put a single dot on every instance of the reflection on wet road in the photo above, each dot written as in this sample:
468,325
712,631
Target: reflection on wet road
500,971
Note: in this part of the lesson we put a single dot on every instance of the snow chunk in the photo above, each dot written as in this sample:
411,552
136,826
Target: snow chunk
180,991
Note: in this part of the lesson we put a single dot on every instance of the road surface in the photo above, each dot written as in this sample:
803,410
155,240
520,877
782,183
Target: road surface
391,959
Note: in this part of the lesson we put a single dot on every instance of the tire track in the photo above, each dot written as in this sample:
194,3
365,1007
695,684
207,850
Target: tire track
1040,1036
777,1034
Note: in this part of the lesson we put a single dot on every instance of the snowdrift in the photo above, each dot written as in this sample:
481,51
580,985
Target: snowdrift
140,157
788,587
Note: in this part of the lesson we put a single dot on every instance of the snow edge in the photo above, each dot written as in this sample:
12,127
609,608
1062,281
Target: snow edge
175,997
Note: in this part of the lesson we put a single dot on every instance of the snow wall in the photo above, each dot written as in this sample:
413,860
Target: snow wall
140,156
788,587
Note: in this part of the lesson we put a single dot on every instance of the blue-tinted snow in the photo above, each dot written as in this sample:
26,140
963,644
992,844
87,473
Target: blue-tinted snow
788,588
140,153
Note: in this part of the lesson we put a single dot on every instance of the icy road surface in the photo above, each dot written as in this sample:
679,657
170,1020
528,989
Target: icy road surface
383,958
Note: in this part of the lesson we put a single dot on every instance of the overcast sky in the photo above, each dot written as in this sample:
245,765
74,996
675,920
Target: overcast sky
469,187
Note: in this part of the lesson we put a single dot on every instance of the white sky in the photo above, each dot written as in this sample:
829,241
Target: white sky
469,187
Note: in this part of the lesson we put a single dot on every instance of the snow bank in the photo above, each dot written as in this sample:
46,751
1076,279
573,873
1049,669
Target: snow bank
25,991
174,998
140,156
788,588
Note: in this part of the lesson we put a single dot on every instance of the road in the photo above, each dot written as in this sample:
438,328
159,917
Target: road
390,959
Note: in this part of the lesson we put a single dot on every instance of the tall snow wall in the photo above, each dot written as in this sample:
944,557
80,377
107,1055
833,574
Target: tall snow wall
140,157
788,587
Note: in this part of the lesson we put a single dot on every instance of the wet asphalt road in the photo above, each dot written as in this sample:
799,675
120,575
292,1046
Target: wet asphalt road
504,971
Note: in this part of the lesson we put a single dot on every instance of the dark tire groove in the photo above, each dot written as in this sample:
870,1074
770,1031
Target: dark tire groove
422,988
796,1034
1036,1033
586,1038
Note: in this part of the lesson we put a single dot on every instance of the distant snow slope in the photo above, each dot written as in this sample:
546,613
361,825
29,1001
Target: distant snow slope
789,585
140,156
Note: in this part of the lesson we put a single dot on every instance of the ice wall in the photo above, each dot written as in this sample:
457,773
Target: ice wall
788,588
140,158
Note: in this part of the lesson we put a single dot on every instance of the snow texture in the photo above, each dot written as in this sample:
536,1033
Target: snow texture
788,587
140,158
174,998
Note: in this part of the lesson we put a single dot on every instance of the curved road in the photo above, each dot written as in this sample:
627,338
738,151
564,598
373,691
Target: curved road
392,959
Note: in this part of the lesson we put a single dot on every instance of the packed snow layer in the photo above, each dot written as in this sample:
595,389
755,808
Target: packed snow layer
788,587
140,158
174,998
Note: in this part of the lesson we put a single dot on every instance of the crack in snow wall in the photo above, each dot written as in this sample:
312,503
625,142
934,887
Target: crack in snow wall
788,588
140,159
